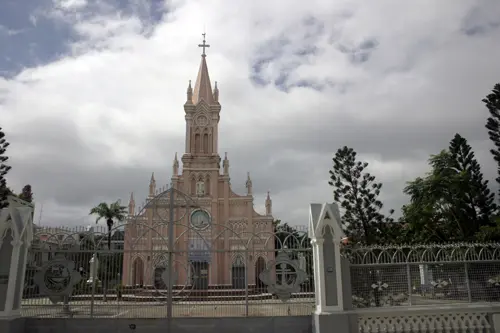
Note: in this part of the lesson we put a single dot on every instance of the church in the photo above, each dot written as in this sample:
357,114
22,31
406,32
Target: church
233,242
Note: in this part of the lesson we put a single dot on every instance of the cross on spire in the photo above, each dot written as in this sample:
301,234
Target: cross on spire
204,45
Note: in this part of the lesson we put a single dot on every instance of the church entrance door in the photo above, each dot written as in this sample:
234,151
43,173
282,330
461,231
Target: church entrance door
200,275
260,266
238,272
238,277
138,272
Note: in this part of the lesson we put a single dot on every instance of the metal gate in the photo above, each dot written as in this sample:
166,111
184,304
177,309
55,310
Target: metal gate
169,260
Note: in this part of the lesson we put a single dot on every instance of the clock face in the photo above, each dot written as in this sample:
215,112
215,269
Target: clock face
200,219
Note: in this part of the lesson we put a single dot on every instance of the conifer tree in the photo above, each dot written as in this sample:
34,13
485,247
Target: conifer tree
357,194
4,169
477,200
492,102
453,201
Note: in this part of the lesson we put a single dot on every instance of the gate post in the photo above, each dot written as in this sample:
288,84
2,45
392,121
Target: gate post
332,282
16,234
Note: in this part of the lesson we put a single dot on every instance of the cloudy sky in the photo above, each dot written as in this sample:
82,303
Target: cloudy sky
91,92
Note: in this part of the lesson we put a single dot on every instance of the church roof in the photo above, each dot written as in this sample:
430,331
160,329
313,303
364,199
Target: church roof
203,88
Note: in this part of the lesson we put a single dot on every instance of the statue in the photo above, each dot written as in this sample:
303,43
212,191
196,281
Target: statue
94,268
200,188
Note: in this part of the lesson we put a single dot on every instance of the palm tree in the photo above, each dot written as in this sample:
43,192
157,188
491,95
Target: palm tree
110,213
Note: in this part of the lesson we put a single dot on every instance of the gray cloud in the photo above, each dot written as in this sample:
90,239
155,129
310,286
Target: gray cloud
394,85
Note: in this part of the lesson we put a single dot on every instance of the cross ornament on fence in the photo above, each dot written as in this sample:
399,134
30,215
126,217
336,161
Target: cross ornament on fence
495,281
380,286
285,287
283,271
440,283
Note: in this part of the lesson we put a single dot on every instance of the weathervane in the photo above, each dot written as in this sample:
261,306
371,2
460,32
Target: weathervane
204,45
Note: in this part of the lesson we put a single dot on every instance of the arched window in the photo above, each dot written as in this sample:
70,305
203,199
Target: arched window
197,143
205,143
238,261
193,186
207,186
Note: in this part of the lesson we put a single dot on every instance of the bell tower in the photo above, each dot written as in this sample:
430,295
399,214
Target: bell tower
202,111
201,159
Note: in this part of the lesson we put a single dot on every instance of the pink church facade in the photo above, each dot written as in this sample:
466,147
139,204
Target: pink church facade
237,242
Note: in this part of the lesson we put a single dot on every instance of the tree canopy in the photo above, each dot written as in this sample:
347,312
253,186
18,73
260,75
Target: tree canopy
26,194
112,212
452,202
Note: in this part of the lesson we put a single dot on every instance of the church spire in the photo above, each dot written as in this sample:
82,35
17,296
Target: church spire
175,166
203,87
152,185
131,204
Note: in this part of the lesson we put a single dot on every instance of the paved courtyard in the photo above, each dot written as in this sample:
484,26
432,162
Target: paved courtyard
42,308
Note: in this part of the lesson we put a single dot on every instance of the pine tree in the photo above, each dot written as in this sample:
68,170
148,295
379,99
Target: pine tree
453,201
477,200
492,102
357,193
26,193
4,169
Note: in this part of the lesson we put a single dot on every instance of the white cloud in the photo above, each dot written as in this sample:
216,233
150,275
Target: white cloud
120,94
70,4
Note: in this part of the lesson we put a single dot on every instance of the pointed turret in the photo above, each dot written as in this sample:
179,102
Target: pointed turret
131,204
216,92
175,166
269,205
225,165
248,184
203,87
189,99
152,185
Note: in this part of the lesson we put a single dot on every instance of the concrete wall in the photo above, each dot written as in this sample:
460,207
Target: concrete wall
292,324
12,325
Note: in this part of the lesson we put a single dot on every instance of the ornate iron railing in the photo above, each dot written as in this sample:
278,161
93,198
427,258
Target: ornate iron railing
408,275
162,265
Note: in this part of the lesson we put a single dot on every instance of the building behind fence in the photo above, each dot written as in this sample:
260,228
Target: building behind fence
106,289
72,275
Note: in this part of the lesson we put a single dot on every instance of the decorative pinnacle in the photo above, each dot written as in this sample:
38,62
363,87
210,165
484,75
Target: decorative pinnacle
248,184
204,45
